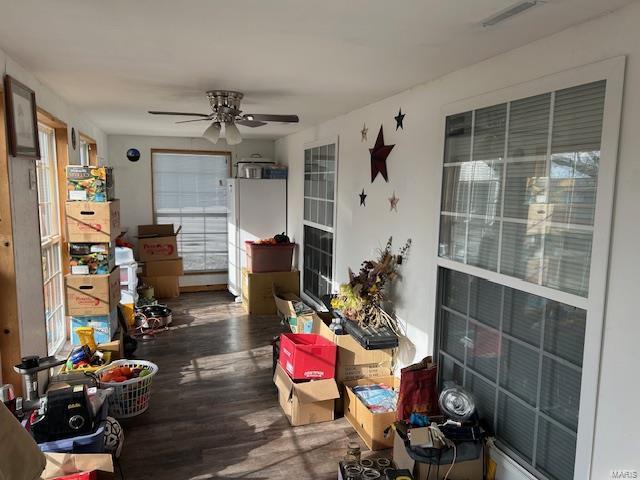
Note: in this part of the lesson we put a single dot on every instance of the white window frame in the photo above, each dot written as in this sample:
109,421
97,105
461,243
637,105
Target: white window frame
53,241
611,70
334,285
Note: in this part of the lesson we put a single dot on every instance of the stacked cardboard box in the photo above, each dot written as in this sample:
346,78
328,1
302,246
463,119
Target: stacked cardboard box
162,266
93,224
258,290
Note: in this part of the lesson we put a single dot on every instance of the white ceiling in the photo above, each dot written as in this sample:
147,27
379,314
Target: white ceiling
115,59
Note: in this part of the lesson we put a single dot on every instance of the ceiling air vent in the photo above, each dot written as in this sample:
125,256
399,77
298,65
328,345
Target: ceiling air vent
510,12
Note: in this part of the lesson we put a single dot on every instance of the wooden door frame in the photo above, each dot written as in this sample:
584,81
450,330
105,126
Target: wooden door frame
93,148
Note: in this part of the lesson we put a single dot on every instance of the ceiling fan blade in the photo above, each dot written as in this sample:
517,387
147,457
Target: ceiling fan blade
250,123
266,117
155,112
195,120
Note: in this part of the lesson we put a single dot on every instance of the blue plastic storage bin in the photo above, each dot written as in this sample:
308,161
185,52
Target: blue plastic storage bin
92,443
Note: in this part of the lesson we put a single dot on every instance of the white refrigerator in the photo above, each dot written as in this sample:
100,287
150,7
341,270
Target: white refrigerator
257,208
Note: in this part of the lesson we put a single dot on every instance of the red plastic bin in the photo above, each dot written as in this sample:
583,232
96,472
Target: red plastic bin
307,356
269,258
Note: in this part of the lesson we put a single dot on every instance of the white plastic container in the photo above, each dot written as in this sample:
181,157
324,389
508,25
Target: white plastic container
124,255
129,276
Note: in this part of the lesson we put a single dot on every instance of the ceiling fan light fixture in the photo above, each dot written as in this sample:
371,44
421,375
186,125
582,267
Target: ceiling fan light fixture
212,133
232,134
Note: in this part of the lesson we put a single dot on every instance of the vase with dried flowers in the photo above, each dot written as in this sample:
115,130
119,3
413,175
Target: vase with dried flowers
361,299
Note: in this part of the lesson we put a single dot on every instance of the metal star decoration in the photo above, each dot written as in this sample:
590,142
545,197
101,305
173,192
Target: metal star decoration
393,202
379,154
399,119
363,197
363,132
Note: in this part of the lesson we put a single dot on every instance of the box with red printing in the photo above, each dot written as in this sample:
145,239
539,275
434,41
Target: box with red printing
307,356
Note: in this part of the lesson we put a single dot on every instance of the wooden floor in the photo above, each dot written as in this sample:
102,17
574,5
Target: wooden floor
214,411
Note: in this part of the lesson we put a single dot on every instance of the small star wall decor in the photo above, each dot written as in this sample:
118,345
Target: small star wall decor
393,202
379,154
364,132
363,197
399,119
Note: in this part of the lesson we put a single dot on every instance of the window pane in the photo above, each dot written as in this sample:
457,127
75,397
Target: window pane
455,191
555,455
564,331
458,138
456,286
516,424
523,314
522,250
318,262
482,243
519,371
525,191
484,350
453,233
485,303
529,127
454,335
560,392
450,371
567,258
489,133
484,395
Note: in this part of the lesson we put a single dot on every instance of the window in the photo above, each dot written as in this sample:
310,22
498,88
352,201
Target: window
189,191
519,187
51,240
521,356
320,166
527,195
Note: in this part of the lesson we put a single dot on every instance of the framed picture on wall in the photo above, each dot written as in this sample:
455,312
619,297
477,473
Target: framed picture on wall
22,120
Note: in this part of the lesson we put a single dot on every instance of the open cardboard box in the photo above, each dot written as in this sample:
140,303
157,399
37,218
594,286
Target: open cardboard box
62,464
370,426
306,402
157,242
298,315
258,290
467,470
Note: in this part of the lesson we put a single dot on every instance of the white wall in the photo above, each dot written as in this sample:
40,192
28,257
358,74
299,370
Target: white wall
413,174
133,180
25,210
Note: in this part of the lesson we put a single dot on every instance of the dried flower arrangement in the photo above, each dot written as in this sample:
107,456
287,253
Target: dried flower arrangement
362,298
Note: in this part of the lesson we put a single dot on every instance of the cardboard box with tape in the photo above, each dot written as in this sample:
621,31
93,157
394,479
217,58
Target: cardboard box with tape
93,222
89,295
294,312
258,290
157,242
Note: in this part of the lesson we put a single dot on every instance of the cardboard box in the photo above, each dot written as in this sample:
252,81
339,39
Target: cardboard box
91,258
370,426
307,356
258,290
93,222
90,184
61,464
467,470
353,360
163,268
89,295
306,402
104,326
157,242
297,314
163,287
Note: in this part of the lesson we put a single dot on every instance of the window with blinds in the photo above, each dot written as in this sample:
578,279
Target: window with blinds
189,191
519,187
521,357
320,166
519,194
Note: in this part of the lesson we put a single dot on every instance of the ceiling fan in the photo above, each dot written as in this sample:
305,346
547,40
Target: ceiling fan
225,106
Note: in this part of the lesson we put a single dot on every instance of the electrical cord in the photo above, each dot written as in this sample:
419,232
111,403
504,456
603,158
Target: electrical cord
119,466
453,462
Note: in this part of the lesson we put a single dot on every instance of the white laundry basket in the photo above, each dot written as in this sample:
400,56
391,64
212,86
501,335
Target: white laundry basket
131,397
